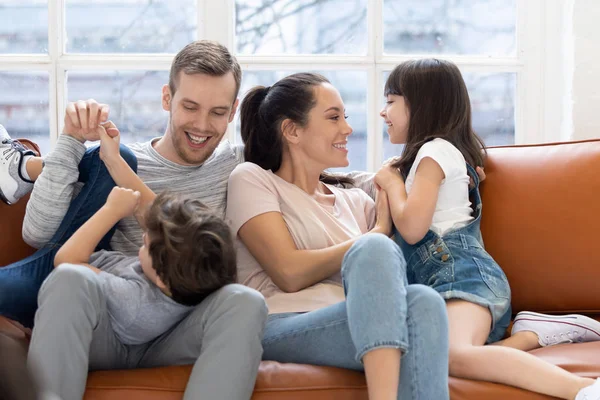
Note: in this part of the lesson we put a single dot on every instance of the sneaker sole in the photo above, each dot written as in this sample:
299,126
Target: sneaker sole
579,321
4,199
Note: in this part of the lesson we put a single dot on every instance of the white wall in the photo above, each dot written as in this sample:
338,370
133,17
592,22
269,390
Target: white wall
585,90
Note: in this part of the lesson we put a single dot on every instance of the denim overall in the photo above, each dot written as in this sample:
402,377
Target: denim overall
457,266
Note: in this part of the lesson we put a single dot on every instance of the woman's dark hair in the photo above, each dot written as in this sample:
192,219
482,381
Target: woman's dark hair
190,246
265,108
439,107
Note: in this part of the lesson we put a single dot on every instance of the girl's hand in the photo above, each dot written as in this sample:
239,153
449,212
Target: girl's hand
388,176
123,202
384,222
110,139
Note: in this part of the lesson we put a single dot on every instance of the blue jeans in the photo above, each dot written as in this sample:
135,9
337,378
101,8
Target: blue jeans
20,282
380,310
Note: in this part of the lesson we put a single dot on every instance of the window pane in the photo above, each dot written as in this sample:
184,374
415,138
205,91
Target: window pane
301,26
24,106
24,26
484,27
493,108
353,89
129,26
134,98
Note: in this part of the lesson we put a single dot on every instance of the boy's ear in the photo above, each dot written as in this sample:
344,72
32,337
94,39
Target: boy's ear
289,130
161,285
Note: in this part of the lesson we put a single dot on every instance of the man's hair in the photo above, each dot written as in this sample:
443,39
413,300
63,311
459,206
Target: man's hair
190,246
204,57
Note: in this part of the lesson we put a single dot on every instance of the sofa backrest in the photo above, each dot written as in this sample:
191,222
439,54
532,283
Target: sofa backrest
541,216
540,221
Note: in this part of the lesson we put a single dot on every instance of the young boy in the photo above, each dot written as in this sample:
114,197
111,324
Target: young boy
187,254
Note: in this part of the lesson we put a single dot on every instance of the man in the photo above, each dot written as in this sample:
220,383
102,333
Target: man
222,336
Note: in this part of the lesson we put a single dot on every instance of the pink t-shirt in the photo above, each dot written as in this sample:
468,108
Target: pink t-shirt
313,225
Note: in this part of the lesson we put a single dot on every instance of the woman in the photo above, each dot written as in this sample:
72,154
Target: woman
334,282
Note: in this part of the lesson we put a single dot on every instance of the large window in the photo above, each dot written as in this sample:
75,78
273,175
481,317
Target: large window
119,52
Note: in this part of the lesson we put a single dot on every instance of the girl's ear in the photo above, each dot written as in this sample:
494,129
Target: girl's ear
290,131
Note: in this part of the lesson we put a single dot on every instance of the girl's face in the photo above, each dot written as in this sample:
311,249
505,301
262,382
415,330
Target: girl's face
397,117
324,139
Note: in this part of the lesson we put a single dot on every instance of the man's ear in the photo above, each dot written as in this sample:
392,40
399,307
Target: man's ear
166,98
289,131
236,103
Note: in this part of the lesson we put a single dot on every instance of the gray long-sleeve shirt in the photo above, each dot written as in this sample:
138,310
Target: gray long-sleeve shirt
58,185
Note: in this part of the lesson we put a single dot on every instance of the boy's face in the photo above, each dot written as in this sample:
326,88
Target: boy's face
146,262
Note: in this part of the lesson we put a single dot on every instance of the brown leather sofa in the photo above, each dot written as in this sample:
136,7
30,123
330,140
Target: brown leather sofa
540,221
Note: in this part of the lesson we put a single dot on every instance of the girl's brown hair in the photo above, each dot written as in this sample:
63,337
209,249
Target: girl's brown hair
439,107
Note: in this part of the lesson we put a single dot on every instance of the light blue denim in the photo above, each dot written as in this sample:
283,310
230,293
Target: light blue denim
457,266
380,311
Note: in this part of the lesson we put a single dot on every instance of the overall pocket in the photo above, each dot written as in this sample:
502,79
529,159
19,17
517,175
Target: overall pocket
493,276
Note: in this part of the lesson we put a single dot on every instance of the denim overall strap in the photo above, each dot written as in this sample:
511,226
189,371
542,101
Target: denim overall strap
474,194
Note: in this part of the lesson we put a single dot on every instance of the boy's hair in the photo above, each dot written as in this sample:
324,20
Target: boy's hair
439,107
204,57
191,247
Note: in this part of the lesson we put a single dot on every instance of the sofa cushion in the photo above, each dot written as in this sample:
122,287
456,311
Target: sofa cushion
540,222
299,382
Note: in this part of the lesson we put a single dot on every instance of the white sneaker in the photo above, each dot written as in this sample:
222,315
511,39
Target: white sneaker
13,185
591,392
557,329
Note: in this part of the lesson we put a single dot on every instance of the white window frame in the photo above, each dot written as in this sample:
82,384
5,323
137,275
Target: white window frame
539,110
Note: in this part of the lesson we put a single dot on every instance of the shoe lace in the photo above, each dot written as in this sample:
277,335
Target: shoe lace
15,145
570,336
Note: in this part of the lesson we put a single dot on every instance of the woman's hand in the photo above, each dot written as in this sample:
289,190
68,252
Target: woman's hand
383,223
388,176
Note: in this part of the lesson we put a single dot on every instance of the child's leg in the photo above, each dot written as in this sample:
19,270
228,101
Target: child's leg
469,358
222,338
533,330
34,166
72,332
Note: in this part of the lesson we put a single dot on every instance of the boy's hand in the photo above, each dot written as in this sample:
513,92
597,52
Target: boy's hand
123,202
110,139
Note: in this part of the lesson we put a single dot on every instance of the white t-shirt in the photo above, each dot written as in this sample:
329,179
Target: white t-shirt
453,208
253,191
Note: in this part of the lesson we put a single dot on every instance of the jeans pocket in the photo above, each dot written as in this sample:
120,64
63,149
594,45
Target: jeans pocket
493,276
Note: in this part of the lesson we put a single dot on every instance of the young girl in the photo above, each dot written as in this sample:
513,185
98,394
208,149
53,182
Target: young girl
428,109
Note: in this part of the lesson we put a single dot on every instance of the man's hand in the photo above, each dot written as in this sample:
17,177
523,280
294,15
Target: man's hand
83,119
123,202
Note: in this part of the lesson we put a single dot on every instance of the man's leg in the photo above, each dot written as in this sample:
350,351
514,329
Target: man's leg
20,281
222,338
72,332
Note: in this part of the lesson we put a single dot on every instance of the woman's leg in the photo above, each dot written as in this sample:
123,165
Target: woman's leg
380,314
469,358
